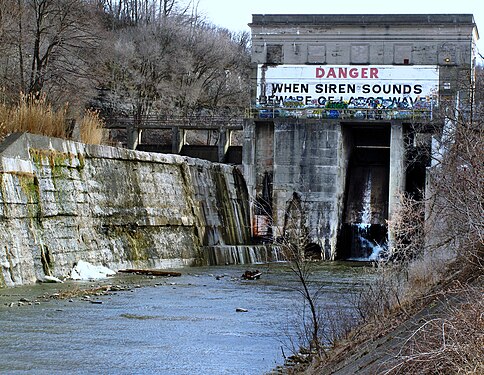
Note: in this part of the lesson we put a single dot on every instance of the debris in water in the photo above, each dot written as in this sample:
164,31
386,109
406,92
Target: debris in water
240,309
152,272
251,275
51,279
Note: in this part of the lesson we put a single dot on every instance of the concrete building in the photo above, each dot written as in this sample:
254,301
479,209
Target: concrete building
342,105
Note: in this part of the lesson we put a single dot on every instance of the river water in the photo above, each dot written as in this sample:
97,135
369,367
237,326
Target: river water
182,325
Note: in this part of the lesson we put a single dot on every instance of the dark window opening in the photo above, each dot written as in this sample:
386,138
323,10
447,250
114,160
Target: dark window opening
274,54
363,233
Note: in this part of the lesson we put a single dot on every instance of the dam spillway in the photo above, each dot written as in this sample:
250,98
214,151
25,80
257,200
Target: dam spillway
347,105
63,201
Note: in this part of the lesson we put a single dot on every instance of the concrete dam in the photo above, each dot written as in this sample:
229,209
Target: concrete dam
342,174
63,201
344,111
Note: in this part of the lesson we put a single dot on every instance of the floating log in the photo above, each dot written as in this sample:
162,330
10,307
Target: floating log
151,272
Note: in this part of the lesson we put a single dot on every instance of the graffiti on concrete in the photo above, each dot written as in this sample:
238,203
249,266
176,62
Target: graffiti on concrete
346,91
357,108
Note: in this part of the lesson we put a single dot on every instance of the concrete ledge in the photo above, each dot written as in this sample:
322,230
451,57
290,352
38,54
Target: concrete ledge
363,19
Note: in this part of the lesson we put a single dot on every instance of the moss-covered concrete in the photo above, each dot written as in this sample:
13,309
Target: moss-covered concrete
2,280
112,206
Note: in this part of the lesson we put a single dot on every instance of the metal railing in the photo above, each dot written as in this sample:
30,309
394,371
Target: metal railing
236,122
167,122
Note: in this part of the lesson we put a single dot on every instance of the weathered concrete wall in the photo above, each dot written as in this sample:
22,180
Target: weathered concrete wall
63,201
444,40
369,38
308,158
306,161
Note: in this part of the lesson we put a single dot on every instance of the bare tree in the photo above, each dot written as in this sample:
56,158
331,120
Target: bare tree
63,39
314,327
294,243
9,47
124,13
143,66
52,48
216,70
180,65
457,178
8,14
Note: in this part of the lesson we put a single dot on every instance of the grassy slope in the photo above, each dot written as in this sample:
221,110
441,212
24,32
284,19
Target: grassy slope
439,333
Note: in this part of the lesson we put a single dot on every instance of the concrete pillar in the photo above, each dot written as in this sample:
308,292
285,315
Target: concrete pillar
248,164
248,156
133,136
178,138
224,137
397,171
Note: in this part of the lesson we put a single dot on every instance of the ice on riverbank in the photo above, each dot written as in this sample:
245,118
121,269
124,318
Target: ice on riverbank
87,271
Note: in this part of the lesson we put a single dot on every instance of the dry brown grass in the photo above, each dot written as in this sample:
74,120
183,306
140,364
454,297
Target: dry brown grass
37,116
452,343
91,128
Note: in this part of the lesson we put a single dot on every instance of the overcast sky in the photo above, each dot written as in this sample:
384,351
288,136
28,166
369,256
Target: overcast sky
235,15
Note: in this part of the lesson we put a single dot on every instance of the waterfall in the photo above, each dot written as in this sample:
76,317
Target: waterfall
366,211
241,254
276,254
368,248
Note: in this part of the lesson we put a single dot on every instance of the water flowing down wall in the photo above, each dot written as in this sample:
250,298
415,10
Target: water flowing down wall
363,235
62,201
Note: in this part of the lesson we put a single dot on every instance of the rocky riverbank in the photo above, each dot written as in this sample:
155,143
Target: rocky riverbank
71,290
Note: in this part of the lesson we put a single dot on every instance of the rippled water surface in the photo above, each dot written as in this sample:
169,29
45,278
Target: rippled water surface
182,325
